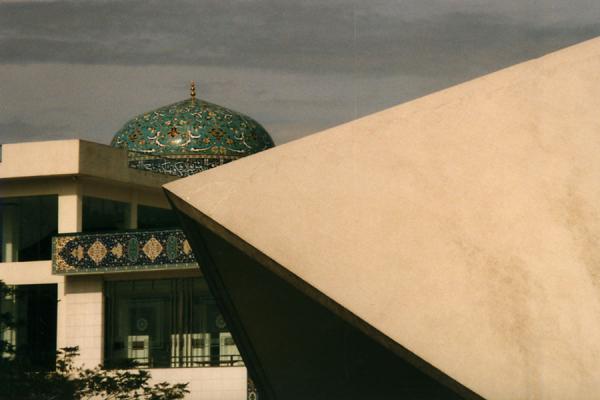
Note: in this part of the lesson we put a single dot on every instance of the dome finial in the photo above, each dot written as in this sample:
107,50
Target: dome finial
193,90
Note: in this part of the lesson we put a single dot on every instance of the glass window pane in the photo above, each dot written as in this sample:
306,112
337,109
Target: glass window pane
104,215
165,323
2,258
27,227
33,313
156,218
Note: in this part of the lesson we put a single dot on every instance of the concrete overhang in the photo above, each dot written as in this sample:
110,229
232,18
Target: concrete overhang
445,247
73,158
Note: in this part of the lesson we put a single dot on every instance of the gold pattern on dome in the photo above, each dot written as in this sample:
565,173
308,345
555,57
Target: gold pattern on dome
217,133
193,90
201,135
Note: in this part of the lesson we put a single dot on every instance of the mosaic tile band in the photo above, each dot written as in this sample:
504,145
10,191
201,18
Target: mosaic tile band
82,253
176,166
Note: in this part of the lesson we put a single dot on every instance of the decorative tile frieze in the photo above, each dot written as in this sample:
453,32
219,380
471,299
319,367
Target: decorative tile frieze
82,253
177,165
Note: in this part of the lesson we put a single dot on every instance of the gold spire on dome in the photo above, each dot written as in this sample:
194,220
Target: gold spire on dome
193,90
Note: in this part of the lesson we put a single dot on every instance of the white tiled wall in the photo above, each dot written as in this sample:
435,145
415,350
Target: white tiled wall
84,315
84,318
219,383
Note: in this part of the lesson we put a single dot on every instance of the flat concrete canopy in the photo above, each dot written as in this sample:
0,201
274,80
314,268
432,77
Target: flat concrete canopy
456,236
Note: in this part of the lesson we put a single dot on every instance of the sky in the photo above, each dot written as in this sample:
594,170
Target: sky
82,68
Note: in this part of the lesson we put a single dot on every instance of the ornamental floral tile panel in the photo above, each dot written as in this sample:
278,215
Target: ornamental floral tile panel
121,251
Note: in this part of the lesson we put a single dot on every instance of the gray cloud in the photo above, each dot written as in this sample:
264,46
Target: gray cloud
410,37
17,130
83,67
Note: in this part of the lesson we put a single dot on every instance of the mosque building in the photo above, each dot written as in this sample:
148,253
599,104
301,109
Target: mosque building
445,248
96,254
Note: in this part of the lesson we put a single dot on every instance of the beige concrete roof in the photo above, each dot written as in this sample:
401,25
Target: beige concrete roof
464,226
73,157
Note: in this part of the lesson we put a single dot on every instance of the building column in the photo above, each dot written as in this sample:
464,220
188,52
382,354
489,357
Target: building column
10,232
132,222
70,209
84,323
81,303
69,220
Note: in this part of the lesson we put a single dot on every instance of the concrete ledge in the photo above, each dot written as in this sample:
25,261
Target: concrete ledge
73,158
223,383
28,273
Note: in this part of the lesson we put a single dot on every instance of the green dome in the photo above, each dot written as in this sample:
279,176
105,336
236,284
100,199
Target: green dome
190,136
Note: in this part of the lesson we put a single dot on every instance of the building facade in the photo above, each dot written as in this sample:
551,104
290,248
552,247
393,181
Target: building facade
97,257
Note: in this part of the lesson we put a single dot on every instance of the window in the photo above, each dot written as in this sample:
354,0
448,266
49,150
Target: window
104,215
28,224
165,323
33,311
156,218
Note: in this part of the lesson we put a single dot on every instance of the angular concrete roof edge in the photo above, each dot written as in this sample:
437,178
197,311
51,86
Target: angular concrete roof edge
461,224
313,293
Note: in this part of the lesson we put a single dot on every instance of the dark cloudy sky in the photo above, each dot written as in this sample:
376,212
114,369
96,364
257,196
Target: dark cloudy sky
81,68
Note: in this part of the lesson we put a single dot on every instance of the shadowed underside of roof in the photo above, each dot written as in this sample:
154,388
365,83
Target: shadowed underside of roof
297,347
459,231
